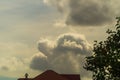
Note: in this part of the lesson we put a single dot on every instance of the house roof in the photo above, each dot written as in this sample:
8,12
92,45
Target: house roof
25,79
71,76
51,75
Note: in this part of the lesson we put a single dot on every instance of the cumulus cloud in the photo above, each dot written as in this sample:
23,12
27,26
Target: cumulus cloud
45,46
67,54
40,62
86,12
72,43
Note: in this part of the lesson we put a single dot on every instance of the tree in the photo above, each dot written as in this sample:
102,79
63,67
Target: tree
105,60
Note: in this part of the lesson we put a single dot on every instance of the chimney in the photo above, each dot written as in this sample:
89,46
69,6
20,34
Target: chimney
26,75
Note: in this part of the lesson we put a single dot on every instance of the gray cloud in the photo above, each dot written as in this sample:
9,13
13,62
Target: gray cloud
67,55
44,46
86,12
5,68
39,62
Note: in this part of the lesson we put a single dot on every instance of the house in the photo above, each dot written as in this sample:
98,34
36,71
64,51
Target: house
51,75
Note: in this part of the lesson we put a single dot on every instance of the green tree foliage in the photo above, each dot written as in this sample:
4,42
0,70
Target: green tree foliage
105,60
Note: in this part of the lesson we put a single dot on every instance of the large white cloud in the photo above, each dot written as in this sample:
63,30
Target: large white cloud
86,12
67,54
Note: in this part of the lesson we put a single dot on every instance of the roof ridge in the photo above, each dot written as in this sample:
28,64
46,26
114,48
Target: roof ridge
50,74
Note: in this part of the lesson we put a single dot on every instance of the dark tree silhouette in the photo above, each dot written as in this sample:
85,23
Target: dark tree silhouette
105,60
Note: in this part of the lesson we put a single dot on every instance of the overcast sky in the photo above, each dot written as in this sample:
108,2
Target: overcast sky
37,35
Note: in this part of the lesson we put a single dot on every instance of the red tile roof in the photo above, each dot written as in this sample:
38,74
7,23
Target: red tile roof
51,75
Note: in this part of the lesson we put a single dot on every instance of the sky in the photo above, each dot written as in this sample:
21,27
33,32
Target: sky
37,35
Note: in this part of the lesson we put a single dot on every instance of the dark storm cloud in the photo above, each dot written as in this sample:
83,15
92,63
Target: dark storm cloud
67,55
86,12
